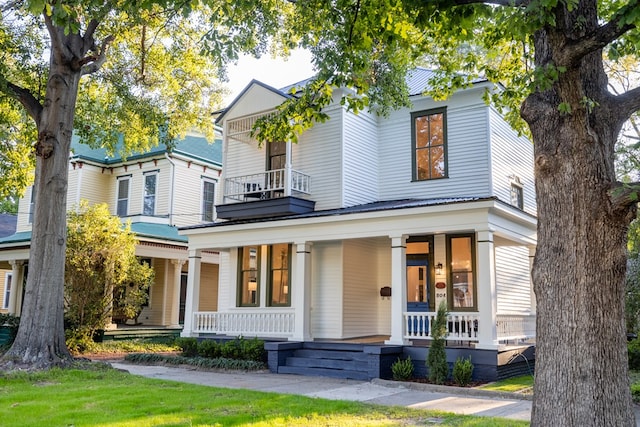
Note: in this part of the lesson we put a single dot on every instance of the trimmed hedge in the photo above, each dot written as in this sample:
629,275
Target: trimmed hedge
237,349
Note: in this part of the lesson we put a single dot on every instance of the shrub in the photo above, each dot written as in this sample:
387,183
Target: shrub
402,370
253,349
633,350
462,371
189,346
437,357
80,340
209,348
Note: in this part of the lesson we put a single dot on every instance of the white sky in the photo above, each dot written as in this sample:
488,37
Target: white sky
274,72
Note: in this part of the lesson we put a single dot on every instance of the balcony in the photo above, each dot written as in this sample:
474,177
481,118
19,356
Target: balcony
272,193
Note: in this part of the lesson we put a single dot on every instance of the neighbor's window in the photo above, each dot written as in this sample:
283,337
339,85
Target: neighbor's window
279,274
429,145
150,186
208,199
7,290
248,262
32,203
461,259
123,195
517,198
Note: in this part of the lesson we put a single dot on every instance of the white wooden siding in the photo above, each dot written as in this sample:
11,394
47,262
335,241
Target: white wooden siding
255,100
187,195
467,151
326,297
227,280
208,287
511,155
513,280
360,163
361,288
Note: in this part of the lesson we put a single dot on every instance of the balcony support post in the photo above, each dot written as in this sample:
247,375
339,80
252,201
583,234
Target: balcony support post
193,291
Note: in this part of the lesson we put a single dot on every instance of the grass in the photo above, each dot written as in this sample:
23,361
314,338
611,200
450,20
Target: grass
109,398
513,385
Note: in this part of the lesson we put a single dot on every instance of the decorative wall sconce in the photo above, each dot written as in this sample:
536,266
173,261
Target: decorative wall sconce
385,291
439,269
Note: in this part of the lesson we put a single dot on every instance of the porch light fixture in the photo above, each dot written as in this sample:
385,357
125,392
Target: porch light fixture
253,285
439,268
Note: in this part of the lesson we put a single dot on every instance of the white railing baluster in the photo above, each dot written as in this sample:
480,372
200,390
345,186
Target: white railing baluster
277,323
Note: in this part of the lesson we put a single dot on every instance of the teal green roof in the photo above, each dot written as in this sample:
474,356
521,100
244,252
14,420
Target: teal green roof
141,229
196,147
157,231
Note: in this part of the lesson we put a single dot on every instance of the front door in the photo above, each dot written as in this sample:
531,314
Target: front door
418,286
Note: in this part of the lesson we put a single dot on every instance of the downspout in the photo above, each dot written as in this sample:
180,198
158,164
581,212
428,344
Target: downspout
171,186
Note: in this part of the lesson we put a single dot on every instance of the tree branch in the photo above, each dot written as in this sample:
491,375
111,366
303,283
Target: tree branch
91,64
598,39
90,31
28,101
627,103
624,195
58,48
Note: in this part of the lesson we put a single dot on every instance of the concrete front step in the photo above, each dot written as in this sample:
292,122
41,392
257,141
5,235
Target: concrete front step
324,372
347,365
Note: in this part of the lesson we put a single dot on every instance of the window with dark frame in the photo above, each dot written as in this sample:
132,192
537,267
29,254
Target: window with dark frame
517,193
122,208
429,145
279,275
461,258
149,198
248,277
8,278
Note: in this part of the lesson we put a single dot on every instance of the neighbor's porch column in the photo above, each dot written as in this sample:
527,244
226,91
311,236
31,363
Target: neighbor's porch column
301,293
174,310
16,287
487,297
193,291
398,289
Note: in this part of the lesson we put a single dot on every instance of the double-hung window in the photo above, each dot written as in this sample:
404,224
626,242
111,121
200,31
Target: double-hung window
7,290
429,135
32,203
208,199
279,275
122,202
150,191
517,193
461,256
249,279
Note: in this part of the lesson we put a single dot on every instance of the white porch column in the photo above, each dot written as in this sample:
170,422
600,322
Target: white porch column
175,303
301,293
487,297
16,287
193,291
532,255
398,289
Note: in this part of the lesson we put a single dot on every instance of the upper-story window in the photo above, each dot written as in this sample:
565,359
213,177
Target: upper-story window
429,134
517,193
32,203
208,199
123,195
150,190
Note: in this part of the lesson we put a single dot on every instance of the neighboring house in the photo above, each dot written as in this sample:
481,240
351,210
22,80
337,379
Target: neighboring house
360,230
157,192
7,228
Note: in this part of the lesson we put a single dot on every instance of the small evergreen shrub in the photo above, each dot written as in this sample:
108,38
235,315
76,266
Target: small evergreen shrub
462,371
633,350
402,370
232,349
189,346
209,348
437,357
253,349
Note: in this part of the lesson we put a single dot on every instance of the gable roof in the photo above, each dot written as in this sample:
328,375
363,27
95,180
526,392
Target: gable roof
193,146
253,82
7,224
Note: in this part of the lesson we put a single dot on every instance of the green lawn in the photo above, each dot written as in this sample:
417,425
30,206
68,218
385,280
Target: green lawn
109,398
513,385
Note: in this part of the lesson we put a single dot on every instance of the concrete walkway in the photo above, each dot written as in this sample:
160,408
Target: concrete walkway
413,395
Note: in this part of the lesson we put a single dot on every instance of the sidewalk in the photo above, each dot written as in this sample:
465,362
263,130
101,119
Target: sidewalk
413,395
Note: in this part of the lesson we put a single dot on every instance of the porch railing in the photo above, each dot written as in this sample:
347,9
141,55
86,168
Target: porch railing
266,185
460,326
276,323
515,327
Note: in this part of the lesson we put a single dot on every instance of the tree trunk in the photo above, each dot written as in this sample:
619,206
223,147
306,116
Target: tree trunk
40,342
578,274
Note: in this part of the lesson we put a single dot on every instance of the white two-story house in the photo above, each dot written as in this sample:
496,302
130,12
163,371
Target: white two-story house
360,230
157,192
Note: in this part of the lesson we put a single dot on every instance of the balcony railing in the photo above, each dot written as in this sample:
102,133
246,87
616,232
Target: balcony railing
278,323
267,185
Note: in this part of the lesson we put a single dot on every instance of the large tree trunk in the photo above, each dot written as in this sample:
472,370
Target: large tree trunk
40,342
578,274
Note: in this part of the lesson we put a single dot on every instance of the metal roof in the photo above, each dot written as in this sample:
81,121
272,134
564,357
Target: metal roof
7,224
